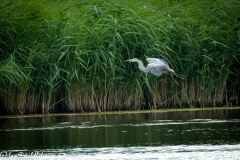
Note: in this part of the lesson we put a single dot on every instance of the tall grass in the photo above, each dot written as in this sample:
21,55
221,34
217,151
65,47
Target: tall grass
69,56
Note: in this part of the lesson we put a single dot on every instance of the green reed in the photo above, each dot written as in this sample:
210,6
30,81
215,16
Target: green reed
69,56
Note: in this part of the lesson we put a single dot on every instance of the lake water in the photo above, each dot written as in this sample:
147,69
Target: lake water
209,134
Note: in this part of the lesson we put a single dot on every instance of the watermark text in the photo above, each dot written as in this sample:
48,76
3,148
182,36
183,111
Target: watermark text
30,154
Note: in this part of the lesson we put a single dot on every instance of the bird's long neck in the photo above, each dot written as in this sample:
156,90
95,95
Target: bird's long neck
141,66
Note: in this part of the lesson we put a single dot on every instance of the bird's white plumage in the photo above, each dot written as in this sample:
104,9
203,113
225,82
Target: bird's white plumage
156,69
157,61
157,66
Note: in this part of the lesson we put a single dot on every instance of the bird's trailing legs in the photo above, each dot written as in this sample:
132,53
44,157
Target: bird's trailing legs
178,76
171,74
174,79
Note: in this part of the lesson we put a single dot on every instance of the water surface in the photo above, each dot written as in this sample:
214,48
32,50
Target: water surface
209,134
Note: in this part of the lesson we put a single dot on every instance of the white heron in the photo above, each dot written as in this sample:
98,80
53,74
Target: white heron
155,66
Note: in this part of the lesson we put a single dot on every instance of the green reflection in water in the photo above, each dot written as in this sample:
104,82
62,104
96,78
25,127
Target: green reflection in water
149,129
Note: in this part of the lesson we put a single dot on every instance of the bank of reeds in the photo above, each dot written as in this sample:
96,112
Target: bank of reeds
69,56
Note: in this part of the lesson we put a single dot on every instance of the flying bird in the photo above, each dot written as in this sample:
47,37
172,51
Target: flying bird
156,66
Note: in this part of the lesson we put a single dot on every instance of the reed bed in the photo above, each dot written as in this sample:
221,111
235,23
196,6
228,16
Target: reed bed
69,56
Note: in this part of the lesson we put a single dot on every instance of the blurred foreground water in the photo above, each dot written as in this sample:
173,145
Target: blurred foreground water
209,134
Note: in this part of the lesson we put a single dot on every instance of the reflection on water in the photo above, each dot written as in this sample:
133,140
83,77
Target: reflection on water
170,135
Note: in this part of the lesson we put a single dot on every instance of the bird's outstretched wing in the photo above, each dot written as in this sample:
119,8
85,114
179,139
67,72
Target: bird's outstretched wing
157,61
155,69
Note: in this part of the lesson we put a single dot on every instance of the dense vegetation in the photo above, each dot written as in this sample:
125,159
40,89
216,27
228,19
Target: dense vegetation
69,56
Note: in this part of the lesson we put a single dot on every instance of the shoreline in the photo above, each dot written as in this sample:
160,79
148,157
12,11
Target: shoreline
117,112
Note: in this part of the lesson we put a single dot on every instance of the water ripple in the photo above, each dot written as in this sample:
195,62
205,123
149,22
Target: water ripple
85,125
